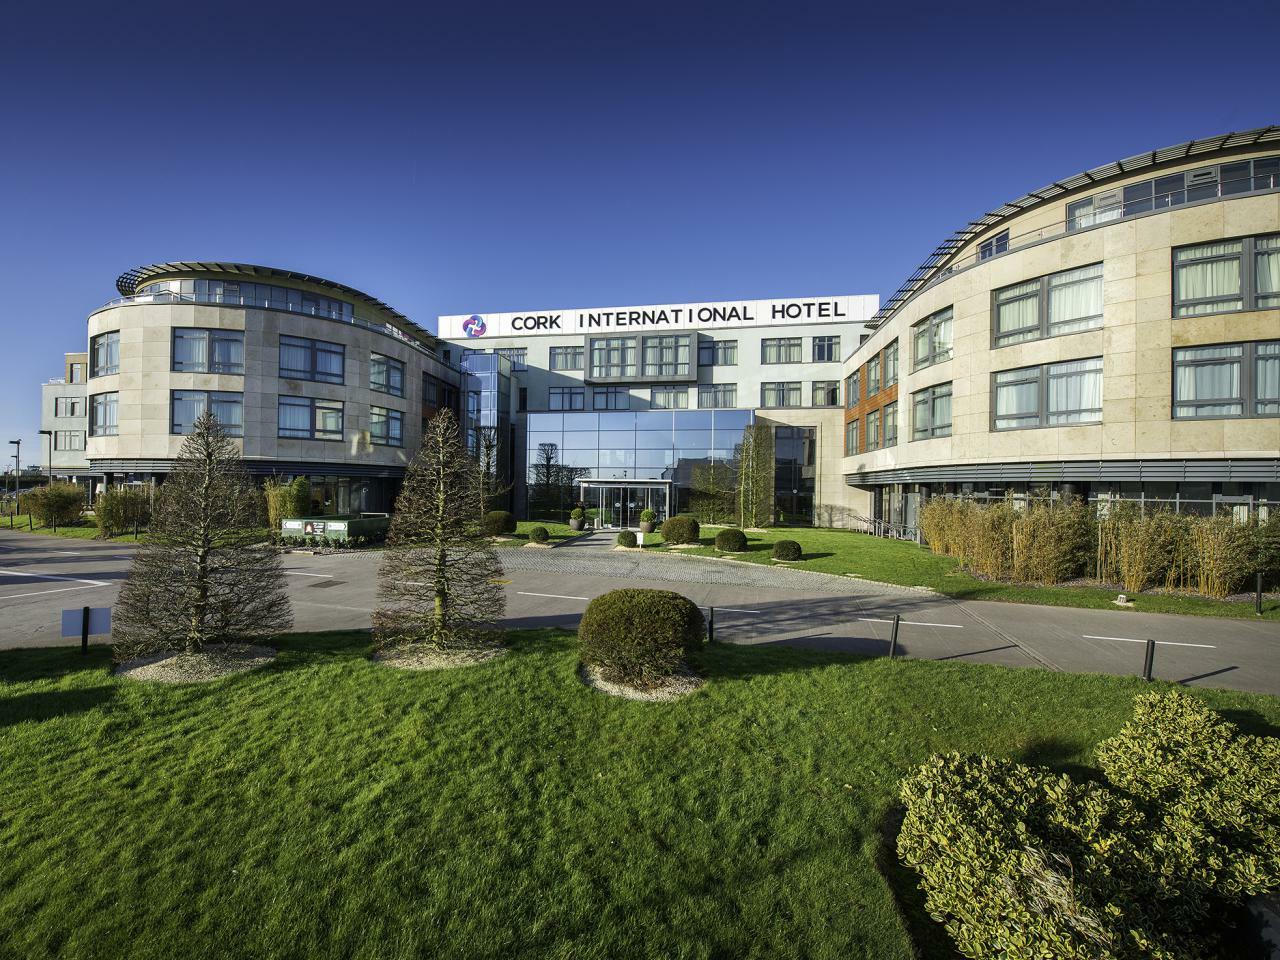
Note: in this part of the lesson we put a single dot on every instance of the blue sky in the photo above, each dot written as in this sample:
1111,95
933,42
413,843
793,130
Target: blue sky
487,157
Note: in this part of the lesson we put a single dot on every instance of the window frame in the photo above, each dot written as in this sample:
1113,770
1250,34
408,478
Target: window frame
872,441
831,345
391,365
827,388
994,245
1248,381
555,357
671,390
1042,329
60,447
627,365
110,340
231,430
715,390
609,394
209,335
890,369
394,438
785,347
930,325
314,349
679,344
852,428
1042,375
312,403
889,415
560,393
718,351
69,404
932,394
786,387
1247,257
94,427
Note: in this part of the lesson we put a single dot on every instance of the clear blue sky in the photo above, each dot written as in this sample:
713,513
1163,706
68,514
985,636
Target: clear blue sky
484,157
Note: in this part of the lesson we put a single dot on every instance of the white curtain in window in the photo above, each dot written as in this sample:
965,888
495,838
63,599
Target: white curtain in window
1267,377
228,353
1207,388
1018,307
942,413
186,408
190,350
1075,299
294,356
228,408
1267,271
1018,399
1216,280
1075,392
295,417
329,362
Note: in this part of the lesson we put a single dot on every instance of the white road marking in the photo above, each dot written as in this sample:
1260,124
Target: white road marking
730,609
299,573
1162,643
85,584
913,623
67,553
552,596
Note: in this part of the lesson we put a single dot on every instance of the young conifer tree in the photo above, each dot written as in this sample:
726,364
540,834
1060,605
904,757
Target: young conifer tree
438,580
205,573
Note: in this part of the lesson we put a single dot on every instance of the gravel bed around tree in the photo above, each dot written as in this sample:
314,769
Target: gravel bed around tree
673,688
211,663
429,658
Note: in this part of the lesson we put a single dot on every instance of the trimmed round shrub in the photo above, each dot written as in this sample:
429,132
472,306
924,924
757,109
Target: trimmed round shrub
681,529
787,550
647,516
576,513
499,522
539,535
731,540
626,538
639,637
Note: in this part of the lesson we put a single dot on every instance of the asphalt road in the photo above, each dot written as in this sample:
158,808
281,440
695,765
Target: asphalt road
41,575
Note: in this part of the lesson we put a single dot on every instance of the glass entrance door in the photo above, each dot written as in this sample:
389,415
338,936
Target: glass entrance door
620,505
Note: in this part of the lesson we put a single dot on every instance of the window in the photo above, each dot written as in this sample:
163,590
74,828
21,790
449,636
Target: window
1051,306
826,393
666,356
519,356
1227,380
873,430
386,375
68,406
932,338
1048,395
890,416
997,244
208,351
1228,275
1100,208
77,373
68,440
610,398
310,419
386,427
240,293
826,349
102,414
717,353
931,412
565,398
780,394
782,350
717,395
669,398
566,358
851,391
104,354
891,364
186,405
873,375
851,438
522,400
613,358
303,359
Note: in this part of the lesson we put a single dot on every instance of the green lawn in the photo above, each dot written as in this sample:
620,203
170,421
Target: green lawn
558,531
902,562
329,807
86,529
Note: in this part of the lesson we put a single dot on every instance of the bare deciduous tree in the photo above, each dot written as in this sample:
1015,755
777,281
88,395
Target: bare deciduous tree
438,580
493,484
205,574
753,458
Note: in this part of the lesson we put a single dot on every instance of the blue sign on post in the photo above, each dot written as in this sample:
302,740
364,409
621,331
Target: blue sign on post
84,621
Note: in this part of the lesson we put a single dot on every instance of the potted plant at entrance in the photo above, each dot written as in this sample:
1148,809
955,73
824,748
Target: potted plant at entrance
647,518
576,519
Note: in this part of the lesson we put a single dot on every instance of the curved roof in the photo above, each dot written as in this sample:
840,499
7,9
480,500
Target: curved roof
129,281
1109,171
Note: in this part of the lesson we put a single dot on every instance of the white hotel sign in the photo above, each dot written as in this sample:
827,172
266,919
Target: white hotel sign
666,316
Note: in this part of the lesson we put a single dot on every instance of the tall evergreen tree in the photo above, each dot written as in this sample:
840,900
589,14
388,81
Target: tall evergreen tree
438,580
205,574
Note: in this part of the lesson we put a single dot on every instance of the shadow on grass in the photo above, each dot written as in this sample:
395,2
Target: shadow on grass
1058,754
930,939
722,661
1251,722
50,704
51,663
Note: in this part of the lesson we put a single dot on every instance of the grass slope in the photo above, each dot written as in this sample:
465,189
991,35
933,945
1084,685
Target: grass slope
903,562
84,530
558,532
328,807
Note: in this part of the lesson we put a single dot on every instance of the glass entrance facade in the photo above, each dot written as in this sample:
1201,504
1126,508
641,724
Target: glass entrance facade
618,505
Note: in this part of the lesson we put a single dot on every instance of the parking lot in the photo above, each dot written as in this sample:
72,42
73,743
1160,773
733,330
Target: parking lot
40,576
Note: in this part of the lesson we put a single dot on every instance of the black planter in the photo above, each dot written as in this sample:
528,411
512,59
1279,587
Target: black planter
646,526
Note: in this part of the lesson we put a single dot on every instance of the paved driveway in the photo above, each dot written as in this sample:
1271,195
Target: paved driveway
754,604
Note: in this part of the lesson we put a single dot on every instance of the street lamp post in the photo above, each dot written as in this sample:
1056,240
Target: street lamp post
17,468
49,461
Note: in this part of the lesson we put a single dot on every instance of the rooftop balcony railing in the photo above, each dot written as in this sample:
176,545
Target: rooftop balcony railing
168,296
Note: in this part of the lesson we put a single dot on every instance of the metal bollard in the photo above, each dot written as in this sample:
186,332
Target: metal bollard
1149,661
1257,595
84,630
893,636
711,625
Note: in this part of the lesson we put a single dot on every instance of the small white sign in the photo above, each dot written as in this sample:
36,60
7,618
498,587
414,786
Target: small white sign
99,621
